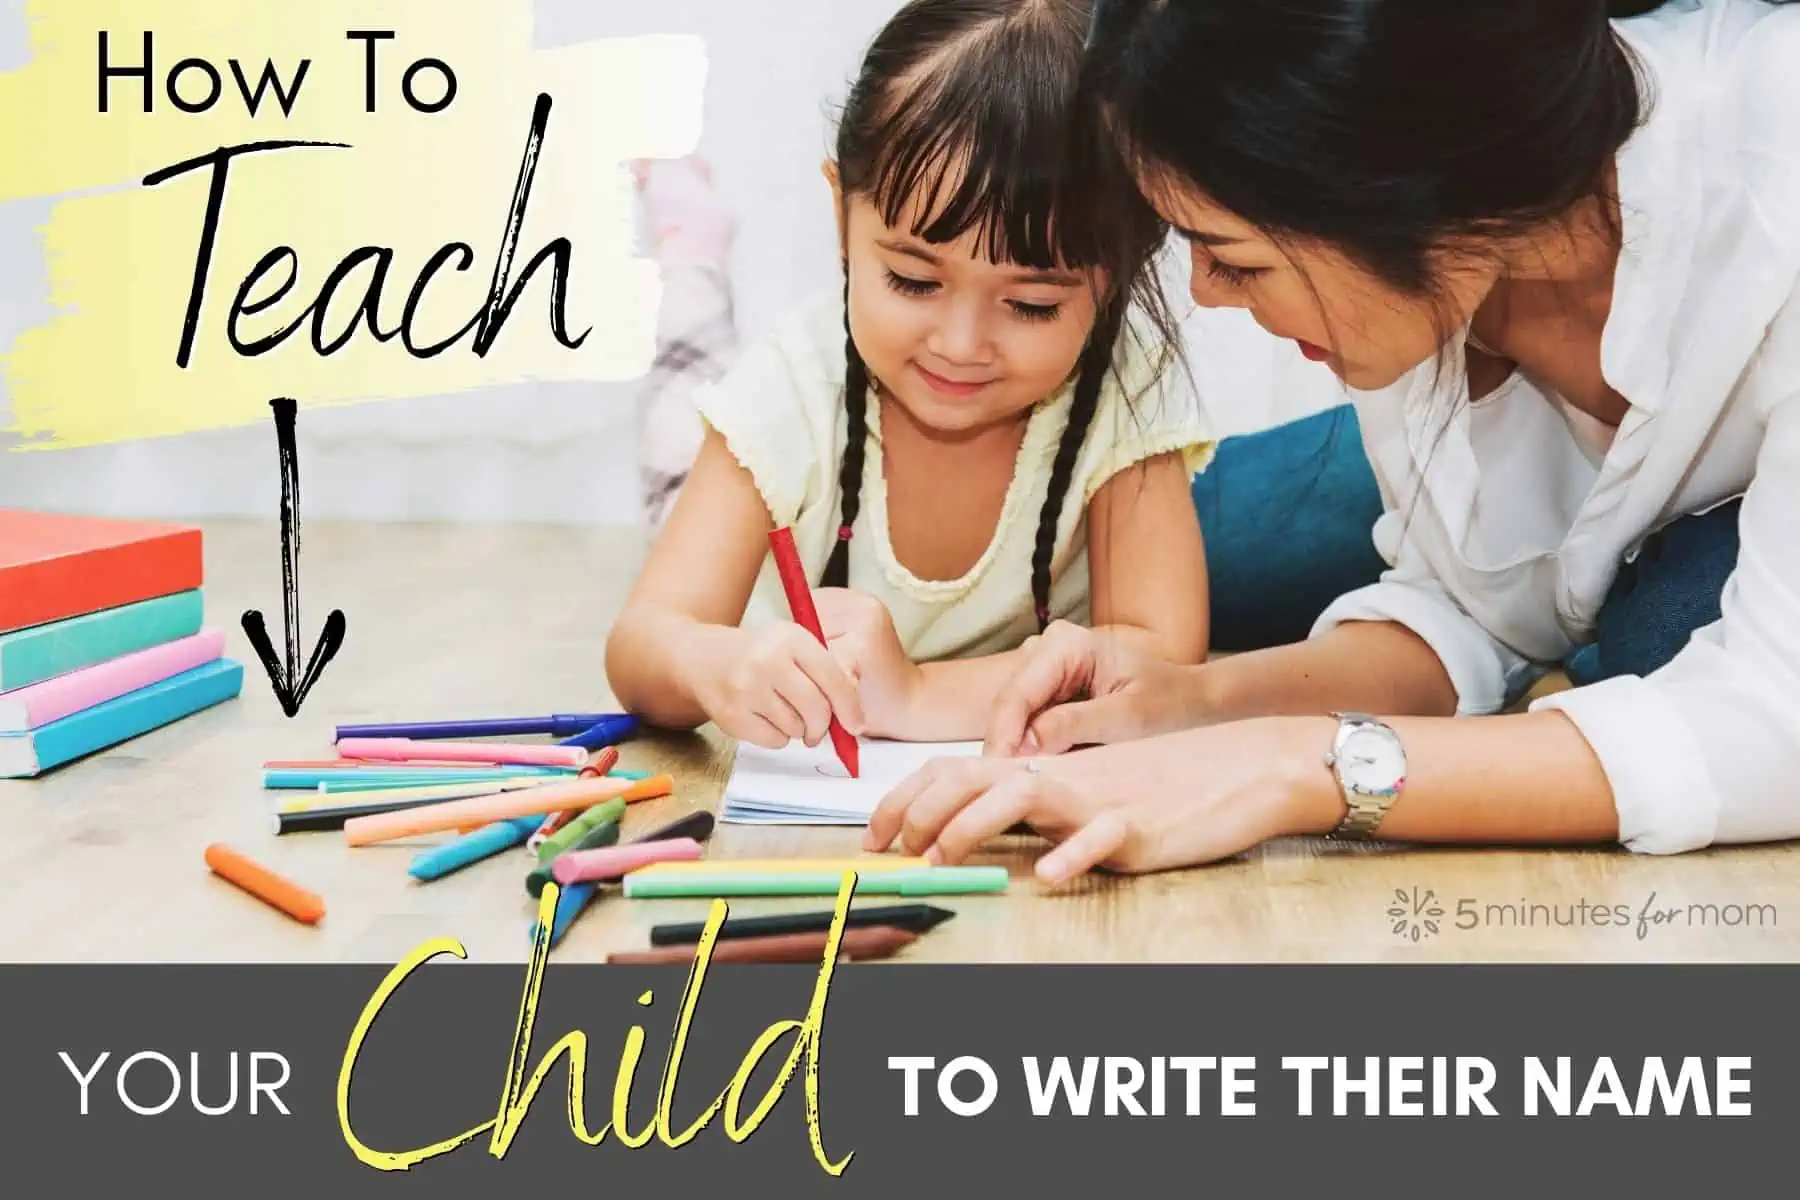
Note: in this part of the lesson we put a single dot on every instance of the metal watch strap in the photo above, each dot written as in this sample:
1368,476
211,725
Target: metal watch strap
1365,812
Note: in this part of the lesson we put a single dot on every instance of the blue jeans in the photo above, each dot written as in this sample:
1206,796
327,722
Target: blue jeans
1287,514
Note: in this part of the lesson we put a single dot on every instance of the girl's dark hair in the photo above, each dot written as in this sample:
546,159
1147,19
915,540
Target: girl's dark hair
1385,128
966,109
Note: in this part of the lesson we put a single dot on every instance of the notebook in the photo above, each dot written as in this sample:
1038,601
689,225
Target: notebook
53,699
29,656
118,720
54,566
798,786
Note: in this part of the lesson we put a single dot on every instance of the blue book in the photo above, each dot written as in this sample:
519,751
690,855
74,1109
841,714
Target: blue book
118,720
29,656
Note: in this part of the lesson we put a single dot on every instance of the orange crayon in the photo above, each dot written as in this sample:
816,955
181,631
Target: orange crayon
264,884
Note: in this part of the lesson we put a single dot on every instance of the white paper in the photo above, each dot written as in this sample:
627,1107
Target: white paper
798,786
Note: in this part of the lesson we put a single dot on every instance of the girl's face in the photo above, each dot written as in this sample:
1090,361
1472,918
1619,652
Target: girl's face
1340,314
961,343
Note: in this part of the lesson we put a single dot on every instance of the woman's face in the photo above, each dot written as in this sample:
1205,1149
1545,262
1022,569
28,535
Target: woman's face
1367,332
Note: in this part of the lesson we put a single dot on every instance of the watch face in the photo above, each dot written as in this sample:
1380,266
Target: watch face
1372,761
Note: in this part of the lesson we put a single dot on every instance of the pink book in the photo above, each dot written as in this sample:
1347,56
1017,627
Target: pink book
35,706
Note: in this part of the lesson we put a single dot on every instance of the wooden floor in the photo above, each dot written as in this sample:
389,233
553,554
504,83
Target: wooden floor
101,861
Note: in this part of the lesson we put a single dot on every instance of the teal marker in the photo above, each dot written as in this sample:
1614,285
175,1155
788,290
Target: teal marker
926,881
472,847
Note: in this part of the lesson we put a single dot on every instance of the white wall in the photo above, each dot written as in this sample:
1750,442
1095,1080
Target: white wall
547,452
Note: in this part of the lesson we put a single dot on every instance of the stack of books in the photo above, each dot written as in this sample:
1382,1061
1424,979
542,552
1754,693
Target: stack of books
101,636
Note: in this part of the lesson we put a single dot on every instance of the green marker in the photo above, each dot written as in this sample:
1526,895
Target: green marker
593,839
610,812
926,881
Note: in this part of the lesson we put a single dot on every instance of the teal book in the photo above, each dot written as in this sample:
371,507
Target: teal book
23,755
29,656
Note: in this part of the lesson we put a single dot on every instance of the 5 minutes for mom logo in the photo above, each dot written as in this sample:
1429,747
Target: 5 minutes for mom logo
1415,914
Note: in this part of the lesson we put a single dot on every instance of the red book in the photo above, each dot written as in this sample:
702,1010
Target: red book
54,566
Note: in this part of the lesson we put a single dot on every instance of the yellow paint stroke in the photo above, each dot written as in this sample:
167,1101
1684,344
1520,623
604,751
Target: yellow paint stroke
122,256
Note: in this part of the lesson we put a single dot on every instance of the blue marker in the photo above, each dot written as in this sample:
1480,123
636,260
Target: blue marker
569,903
607,731
472,847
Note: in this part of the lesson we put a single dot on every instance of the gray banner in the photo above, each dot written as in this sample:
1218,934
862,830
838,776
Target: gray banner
434,1065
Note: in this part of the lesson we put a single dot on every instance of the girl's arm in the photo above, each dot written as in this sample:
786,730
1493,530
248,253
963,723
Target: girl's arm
679,623
1147,560
1147,567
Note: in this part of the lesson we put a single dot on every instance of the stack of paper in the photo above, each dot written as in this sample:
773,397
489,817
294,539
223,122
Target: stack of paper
798,786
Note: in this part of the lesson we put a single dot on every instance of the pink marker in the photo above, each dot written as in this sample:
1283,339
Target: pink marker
407,750
612,862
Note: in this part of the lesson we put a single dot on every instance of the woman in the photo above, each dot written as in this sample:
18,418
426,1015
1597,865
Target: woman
1554,256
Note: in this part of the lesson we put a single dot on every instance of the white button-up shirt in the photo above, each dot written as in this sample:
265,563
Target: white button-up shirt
1504,531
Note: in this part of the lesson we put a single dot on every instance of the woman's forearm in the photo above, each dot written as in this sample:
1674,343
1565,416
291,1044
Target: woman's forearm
1515,779
1366,666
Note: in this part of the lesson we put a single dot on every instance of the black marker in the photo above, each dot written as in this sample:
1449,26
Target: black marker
915,918
698,826
321,818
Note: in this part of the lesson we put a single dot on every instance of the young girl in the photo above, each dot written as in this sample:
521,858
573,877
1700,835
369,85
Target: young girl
972,440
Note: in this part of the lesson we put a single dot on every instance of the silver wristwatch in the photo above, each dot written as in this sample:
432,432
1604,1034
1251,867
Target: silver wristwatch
1370,765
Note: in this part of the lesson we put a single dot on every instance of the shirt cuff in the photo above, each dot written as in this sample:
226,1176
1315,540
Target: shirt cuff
1665,798
1468,654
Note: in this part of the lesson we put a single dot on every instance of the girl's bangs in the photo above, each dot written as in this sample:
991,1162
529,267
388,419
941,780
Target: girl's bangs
952,165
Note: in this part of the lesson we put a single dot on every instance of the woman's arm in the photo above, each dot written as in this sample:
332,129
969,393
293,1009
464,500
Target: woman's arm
1078,687
1518,779
1367,666
1151,805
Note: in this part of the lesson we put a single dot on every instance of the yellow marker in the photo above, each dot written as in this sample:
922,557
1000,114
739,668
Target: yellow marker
763,866
442,791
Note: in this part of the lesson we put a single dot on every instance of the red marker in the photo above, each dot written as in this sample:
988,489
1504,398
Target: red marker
800,603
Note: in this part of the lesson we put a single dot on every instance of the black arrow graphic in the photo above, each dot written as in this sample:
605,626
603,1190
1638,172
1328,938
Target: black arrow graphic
290,685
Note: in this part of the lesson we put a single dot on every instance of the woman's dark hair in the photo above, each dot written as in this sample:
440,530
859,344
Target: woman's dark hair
1385,128
965,111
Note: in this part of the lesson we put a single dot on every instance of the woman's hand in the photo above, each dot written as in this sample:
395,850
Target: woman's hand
1080,687
770,685
1177,800
860,632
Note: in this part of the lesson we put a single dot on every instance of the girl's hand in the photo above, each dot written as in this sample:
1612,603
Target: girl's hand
774,684
861,634
1177,800
1079,687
